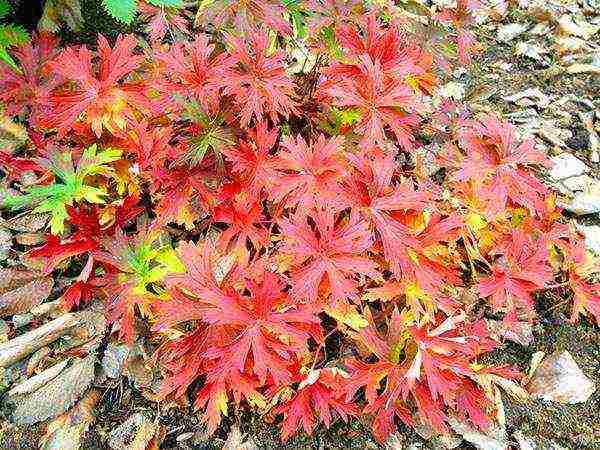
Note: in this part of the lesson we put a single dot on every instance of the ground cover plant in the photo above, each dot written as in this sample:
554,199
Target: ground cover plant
279,193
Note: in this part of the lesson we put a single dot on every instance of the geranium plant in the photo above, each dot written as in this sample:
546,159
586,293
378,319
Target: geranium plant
284,144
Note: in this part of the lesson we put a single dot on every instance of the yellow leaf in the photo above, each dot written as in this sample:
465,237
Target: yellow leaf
476,222
348,316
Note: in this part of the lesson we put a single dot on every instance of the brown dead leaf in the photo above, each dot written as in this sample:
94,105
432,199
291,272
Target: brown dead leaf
66,431
11,278
21,346
37,360
57,396
34,383
583,68
21,299
12,133
29,239
5,243
27,222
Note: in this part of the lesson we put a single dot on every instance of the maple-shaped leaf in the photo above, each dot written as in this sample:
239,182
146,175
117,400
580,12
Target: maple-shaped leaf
521,269
256,334
27,87
54,250
194,70
427,368
332,251
149,145
87,235
70,184
383,45
14,166
199,280
208,137
265,332
101,97
258,82
133,264
382,102
329,15
182,195
319,396
251,159
586,298
244,17
269,334
389,208
496,165
431,262
309,173
163,17
580,266
242,212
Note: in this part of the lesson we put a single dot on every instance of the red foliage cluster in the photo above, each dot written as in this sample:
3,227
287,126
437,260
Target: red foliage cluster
336,200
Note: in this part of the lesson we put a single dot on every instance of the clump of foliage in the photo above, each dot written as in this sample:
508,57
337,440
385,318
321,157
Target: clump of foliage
324,191
11,35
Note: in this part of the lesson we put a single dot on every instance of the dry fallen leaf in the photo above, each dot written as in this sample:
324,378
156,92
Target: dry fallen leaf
22,298
5,243
583,68
57,396
27,222
136,433
66,431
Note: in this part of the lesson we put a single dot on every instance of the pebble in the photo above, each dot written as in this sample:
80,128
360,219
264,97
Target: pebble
114,360
584,203
559,379
508,32
592,237
578,183
566,165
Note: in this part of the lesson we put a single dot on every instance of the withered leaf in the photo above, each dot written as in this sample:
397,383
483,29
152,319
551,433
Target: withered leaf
57,396
5,243
29,239
28,222
66,431
23,298
11,278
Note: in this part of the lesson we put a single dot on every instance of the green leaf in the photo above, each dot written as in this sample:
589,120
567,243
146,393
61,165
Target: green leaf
123,10
5,57
70,186
94,163
91,194
167,3
5,8
297,15
58,214
13,35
